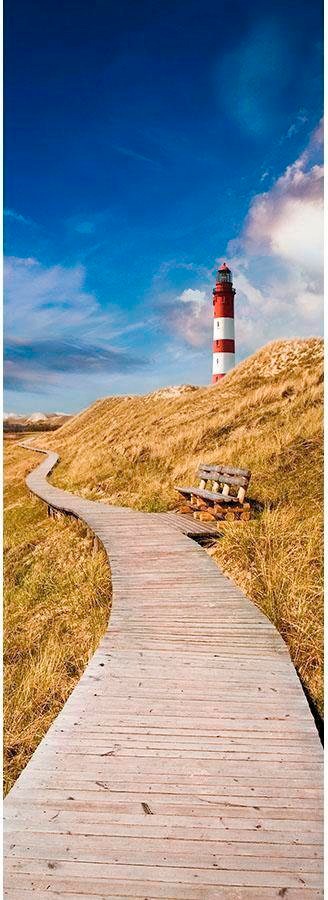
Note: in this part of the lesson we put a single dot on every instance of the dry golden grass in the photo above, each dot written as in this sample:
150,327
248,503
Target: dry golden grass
265,415
57,598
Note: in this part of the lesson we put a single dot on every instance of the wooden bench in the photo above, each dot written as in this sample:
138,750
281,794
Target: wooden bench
226,499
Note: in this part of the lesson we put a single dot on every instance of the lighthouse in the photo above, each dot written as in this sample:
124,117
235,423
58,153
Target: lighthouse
224,324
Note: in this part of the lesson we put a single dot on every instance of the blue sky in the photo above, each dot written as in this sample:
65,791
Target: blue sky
143,143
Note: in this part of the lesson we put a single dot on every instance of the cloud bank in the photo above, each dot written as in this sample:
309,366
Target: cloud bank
36,365
288,220
278,259
277,264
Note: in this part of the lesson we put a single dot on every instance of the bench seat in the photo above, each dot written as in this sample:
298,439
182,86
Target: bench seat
214,496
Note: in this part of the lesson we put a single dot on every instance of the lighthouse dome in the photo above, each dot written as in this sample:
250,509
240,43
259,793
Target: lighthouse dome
224,274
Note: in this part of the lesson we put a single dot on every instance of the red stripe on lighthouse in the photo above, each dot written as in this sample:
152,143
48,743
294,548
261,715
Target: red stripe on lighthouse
223,346
223,307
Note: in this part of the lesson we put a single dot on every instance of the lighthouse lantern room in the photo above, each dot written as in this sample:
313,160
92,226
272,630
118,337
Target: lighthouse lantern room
224,324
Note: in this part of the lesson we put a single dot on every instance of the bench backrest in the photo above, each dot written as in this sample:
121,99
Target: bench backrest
228,476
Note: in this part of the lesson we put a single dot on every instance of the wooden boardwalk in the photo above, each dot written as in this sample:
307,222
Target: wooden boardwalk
185,765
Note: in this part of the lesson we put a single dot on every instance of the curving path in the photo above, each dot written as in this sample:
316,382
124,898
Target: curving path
185,764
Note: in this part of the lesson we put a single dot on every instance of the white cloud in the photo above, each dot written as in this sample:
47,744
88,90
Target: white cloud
288,220
193,296
290,236
310,305
278,261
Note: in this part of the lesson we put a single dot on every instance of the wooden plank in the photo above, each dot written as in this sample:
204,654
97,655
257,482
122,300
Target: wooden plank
217,475
207,495
185,764
175,874
187,525
227,470
101,886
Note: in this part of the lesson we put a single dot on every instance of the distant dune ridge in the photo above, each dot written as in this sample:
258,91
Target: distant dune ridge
37,420
265,415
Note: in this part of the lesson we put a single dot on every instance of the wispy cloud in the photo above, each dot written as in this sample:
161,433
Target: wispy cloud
133,154
85,227
55,327
41,300
251,78
298,123
17,217
89,222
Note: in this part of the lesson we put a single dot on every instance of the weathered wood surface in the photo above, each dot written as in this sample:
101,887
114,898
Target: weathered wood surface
213,496
185,764
217,474
187,525
225,470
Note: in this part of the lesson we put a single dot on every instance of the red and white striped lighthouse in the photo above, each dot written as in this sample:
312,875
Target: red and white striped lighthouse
224,324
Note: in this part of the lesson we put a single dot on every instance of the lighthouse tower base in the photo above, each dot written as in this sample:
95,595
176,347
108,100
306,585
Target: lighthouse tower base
216,378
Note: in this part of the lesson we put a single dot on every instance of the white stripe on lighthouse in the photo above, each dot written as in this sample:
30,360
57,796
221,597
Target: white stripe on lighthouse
222,362
224,329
